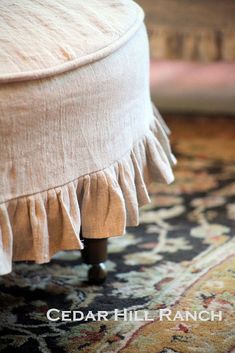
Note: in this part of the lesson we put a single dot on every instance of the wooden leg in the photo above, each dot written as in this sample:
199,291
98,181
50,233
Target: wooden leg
95,254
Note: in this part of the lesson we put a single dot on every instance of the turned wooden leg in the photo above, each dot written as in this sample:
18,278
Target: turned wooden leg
95,254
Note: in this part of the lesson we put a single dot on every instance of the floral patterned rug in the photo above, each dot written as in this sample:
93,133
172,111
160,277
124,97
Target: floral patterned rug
181,258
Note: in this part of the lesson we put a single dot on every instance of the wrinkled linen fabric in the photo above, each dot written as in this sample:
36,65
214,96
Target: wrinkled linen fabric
79,138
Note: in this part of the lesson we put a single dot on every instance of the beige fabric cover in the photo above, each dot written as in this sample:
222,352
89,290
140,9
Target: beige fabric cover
79,138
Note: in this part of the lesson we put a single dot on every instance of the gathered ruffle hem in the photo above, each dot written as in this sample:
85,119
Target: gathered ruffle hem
103,203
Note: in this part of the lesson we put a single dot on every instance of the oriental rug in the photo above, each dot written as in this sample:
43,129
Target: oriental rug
181,258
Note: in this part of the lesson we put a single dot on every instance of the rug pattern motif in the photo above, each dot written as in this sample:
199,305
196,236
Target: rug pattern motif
180,257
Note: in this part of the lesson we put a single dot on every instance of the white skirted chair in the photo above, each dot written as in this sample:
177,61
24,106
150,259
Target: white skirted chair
79,138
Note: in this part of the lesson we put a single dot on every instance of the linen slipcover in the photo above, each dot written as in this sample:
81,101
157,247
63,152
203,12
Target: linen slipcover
79,138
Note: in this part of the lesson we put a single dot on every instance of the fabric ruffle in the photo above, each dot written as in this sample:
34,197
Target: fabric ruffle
103,203
202,45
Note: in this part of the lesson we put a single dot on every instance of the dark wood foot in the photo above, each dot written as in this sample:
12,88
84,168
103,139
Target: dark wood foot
97,274
95,254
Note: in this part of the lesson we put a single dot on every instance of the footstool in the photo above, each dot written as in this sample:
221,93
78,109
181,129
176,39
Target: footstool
80,140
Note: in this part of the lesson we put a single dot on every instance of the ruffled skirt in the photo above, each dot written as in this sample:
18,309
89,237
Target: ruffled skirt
78,153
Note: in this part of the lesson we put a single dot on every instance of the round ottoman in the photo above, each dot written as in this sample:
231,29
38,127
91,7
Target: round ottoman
79,138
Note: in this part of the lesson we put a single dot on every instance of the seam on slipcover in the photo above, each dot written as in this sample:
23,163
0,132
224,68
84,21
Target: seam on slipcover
74,64
149,132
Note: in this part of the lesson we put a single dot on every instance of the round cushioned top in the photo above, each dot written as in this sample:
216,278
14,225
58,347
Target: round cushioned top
41,38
